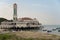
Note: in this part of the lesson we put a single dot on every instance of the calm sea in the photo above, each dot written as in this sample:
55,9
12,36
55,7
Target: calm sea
52,28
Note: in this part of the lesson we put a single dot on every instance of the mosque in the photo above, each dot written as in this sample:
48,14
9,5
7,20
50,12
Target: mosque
24,23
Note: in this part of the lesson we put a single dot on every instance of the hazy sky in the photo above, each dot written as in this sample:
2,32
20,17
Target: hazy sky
46,11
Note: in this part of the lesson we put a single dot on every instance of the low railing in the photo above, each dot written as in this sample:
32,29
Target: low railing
8,26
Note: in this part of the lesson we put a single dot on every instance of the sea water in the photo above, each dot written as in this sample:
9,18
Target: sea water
50,28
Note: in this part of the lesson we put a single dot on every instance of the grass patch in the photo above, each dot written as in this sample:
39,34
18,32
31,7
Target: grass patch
7,37
10,36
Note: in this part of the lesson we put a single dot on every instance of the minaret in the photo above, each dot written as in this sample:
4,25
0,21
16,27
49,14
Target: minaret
15,12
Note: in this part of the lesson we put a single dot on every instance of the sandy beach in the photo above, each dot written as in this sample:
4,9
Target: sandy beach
33,34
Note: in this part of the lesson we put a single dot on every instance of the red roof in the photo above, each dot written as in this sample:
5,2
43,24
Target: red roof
26,18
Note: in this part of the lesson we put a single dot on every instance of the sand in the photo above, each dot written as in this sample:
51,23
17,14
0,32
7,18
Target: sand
33,34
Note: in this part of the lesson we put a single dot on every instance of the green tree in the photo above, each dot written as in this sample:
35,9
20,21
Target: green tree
2,19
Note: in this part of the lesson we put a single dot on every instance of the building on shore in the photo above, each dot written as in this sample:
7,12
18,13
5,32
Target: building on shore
25,23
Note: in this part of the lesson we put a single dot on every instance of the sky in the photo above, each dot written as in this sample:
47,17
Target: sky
47,12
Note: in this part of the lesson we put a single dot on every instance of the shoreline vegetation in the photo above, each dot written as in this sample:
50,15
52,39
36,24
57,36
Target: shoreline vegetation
28,35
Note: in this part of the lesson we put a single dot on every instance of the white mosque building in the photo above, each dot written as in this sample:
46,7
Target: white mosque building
21,23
